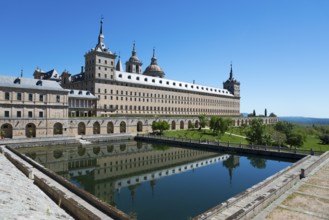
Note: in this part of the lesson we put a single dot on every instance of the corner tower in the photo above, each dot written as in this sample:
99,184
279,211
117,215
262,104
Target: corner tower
232,84
99,62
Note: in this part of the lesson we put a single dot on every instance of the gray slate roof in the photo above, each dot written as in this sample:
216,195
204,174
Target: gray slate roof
28,83
72,93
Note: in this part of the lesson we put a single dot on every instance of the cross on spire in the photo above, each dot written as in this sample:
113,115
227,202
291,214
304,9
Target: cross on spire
101,30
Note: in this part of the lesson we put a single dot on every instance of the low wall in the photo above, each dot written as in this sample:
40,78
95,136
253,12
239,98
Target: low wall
223,147
57,195
71,206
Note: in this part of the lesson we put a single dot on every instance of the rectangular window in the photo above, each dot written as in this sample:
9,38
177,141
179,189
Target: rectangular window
19,96
30,114
40,114
58,98
7,96
6,114
41,98
30,97
19,114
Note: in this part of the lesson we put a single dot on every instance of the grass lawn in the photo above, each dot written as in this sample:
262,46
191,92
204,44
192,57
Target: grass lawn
203,135
311,140
314,143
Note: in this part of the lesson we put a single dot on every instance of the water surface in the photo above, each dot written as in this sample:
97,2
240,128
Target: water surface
152,181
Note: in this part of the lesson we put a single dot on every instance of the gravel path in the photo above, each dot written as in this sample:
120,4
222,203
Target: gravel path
21,199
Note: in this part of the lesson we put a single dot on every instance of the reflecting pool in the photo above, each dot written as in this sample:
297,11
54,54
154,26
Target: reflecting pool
152,181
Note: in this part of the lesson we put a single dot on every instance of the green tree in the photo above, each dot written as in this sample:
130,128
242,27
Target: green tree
279,138
224,124
257,133
160,126
296,139
203,121
214,123
324,138
284,127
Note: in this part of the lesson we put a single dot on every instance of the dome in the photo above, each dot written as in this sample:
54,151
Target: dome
134,58
154,69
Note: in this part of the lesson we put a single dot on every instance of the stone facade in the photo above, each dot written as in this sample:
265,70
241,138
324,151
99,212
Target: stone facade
130,92
105,99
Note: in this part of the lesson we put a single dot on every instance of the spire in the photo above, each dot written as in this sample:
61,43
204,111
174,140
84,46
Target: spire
101,30
154,59
231,72
119,65
100,44
134,50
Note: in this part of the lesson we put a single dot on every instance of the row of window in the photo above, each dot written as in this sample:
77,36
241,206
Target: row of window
203,102
163,97
92,61
19,114
160,81
30,97
173,109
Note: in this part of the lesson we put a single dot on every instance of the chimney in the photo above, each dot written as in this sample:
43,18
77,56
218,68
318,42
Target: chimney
81,69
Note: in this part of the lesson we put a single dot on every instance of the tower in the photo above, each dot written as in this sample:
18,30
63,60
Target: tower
99,63
134,65
232,84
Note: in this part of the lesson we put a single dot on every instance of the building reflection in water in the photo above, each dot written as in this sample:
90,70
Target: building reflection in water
104,169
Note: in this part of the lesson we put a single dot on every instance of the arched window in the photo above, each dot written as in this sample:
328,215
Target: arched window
6,131
30,130
58,128
81,128
173,125
110,128
139,126
123,127
196,124
96,128
181,124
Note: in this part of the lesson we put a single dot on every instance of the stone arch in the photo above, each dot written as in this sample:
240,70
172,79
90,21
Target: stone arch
181,125
96,128
58,128
110,128
81,128
123,128
189,124
173,125
139,126
196,124
6,131
30,130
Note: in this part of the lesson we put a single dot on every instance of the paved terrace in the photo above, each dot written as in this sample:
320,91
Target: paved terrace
308,199
21,199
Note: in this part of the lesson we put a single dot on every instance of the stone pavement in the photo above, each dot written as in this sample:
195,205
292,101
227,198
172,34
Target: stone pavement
308,199
21,199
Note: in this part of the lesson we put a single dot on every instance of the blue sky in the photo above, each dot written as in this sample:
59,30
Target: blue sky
279,48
